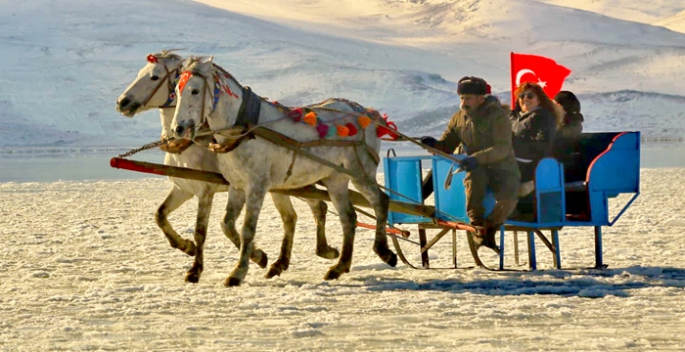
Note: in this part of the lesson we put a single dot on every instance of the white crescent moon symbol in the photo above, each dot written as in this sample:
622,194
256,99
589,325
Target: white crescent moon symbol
521,73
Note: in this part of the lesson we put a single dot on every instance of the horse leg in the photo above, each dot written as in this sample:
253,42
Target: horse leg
255,200
319,209
380,202
338,191
174,199
289,218
236,201
204,208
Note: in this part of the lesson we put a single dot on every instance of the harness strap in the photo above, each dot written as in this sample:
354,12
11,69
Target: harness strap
230,144
154,91
290,168
293,145
175,146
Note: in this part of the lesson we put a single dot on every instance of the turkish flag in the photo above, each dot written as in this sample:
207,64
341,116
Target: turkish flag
537,69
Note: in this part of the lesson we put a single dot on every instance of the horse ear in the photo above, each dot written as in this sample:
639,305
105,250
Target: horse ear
210,59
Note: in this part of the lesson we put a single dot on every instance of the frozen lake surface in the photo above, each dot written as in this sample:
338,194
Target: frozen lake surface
84,267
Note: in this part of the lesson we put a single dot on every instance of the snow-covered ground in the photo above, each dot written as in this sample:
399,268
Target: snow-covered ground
84,267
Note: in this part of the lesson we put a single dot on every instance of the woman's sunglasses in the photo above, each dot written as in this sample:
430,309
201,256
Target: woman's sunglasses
529,96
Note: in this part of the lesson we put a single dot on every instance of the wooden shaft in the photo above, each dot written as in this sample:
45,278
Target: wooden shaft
307,192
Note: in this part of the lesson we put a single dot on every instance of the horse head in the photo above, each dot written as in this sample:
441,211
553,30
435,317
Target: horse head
205,95
154,86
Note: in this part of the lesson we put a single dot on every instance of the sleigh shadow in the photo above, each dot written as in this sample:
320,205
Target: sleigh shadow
584,283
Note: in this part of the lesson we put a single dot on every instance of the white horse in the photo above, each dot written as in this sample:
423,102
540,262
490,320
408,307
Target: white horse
207,93
154,88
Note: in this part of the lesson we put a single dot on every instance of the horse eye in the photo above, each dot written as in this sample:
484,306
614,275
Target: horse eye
154,78
194,92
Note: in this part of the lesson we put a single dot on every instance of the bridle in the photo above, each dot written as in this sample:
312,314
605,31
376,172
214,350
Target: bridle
171,83
248,112
186,75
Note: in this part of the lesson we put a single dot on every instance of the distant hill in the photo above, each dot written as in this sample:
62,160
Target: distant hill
64,66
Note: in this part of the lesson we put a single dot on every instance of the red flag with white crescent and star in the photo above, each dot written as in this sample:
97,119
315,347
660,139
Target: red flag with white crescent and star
537,69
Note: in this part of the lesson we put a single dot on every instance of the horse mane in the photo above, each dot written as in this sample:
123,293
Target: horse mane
191,64
228,75
168,54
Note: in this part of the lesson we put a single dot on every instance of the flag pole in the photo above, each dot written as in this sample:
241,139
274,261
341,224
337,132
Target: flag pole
513,79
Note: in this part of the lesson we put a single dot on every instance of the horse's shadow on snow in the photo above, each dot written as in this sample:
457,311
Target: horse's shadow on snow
585,283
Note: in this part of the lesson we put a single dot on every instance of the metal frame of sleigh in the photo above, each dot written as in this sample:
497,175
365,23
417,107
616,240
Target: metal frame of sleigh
602,166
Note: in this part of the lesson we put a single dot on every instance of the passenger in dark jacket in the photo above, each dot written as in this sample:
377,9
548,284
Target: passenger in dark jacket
534,122
569,133
572,124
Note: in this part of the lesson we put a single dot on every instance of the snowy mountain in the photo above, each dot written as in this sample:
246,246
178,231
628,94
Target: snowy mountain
66,65
674,23
648,12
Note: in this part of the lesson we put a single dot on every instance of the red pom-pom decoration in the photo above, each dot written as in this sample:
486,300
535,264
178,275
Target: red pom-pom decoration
383,130
295,114
352,129
152,59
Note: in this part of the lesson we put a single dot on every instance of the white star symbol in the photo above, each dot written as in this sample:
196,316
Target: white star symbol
542,84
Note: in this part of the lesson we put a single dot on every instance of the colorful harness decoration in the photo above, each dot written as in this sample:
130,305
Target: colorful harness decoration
328,130
185,76
172,92
365,117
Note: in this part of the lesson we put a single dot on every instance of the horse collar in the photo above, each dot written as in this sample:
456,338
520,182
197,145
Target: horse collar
250,107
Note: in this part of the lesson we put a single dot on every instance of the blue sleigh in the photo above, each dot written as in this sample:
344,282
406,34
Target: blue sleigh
571,191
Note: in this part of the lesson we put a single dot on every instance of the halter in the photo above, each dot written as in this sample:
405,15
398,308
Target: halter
247,106
186,75
171,83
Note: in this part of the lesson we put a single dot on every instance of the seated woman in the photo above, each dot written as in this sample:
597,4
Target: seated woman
572,124
534,121
569,135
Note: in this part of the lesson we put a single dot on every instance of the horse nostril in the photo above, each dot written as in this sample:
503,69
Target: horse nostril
179,130
124,102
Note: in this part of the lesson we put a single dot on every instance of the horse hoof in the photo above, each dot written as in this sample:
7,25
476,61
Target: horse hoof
496,249
231,282
193,277
392,261
328,253
387,256
273,271
331,275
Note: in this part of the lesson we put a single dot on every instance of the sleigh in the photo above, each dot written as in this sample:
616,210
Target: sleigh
570,192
